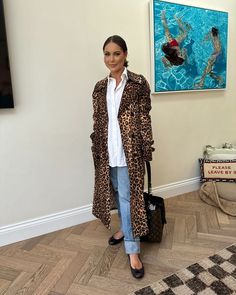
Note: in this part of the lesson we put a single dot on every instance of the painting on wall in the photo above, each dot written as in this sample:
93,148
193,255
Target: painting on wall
6,96
189,47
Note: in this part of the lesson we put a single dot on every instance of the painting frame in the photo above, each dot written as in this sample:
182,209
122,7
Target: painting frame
194,74
6,92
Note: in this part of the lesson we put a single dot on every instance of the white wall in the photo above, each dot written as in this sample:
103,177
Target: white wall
56,58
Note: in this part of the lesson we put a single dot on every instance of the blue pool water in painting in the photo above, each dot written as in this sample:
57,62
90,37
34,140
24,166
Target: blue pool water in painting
186,76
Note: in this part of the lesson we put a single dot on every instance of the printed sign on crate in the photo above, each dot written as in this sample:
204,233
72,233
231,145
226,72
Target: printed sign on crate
218,170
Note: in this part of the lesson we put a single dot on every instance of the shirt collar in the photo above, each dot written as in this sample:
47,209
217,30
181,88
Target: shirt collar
124,75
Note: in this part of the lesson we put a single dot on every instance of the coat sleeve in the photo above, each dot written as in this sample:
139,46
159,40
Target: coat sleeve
145,120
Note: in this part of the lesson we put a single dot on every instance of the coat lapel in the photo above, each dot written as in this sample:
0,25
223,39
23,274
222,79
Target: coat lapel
125,99
126,96
128,91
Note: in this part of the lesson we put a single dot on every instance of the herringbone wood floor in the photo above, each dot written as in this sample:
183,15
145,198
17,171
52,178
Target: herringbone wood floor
78,260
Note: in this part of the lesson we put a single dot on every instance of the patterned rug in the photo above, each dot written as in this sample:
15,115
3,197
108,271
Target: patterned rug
213,275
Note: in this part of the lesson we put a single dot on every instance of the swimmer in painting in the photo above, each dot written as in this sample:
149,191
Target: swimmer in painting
174,54
213,35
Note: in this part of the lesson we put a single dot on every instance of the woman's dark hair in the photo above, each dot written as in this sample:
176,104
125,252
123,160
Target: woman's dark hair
171,55
214,31
120,42
175,60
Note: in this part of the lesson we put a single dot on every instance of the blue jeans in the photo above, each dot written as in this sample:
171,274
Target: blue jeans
121,185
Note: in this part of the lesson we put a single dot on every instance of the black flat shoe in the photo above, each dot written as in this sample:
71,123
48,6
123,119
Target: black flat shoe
112,241
136,273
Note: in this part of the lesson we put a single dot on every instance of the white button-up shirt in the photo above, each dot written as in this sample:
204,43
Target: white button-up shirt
115,146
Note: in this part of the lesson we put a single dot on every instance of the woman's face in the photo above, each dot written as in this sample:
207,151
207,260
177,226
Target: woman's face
114,58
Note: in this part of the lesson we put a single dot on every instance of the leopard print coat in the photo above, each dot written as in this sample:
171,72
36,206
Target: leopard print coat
136,134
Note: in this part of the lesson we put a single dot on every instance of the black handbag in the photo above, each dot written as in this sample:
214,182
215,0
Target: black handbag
155,208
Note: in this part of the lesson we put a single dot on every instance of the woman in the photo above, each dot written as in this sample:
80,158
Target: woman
213,35
174,55
122,142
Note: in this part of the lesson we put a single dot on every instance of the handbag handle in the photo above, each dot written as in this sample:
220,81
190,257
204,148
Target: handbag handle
149,176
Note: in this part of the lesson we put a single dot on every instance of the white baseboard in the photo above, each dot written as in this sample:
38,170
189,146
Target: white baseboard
177,188
39,226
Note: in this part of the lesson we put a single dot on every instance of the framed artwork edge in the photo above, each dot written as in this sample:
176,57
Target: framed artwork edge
153,92
152,53
6,85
